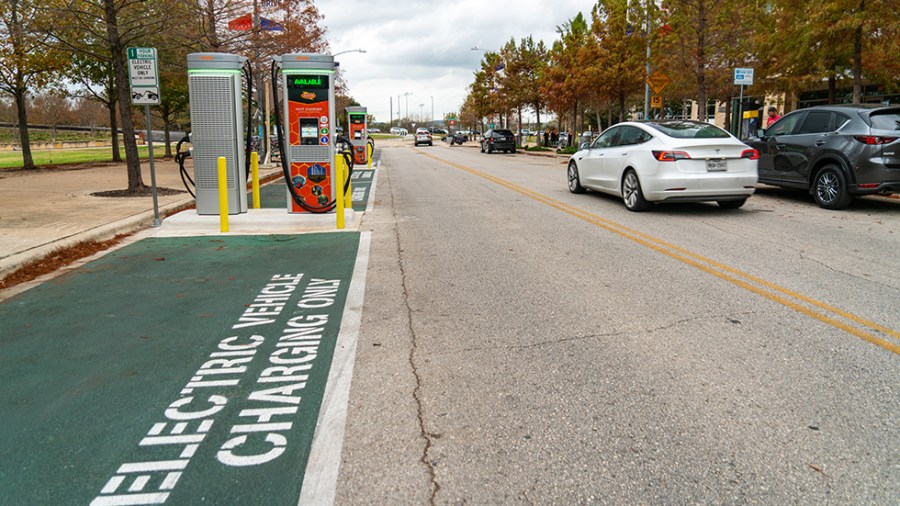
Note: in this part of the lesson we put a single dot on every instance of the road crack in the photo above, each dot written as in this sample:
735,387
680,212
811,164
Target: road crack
417,391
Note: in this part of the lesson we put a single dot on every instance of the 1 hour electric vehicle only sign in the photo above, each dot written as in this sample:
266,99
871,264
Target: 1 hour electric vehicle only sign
143,75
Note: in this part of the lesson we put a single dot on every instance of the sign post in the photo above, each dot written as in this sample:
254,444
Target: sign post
143,76
742,77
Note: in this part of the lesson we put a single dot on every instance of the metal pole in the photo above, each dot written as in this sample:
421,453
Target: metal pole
647,85
152,168
741,113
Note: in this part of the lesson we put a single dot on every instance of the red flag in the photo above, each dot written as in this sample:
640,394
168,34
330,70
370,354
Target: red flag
244,22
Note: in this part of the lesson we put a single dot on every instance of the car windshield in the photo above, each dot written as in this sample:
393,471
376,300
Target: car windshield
689,130
886,121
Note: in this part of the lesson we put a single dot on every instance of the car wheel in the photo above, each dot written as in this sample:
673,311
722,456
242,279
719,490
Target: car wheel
482,148
490,149
731,204
632,194
830,188
513,151
574,180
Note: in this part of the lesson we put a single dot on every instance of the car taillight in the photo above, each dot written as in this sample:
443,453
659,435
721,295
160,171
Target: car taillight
670,156
874,140
751,154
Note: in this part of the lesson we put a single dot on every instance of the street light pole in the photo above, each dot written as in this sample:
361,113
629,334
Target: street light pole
350,51
432,111
407,94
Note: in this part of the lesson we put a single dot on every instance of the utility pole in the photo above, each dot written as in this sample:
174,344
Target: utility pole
646,84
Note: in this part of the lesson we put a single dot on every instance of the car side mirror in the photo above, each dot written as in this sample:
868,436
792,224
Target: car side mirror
584,145
761,133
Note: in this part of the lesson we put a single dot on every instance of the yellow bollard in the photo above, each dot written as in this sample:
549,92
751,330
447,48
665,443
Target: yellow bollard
223,194
348,197
339,190
254,173
370,150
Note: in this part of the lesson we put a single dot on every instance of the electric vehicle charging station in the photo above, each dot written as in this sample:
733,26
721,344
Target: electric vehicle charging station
217,125
308,120
357,125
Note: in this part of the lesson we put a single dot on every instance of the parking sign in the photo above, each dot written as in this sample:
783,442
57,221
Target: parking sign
143,76
743,77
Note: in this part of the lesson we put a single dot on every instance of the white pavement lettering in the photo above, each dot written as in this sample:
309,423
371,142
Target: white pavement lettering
294,356
189,418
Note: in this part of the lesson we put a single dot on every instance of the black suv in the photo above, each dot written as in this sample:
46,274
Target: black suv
834,151
497,140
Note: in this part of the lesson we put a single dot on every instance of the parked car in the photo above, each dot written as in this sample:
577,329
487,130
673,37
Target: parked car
666,161
498,140
835,151
402,132
423,136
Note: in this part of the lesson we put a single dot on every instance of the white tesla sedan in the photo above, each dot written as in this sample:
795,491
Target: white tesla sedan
666,161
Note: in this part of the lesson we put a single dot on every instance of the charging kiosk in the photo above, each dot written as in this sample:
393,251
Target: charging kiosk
308,104
217,125
357,124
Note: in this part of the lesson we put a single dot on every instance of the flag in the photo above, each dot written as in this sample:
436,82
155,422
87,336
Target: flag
245,22
269,25
500,66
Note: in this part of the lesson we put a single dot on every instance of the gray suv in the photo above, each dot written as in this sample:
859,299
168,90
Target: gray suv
835,151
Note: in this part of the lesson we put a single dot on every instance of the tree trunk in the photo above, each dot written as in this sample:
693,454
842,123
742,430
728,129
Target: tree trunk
857,59
520,129
574,123
22,116
135,182
832,86
114,131
621,107
167,138
537,112
701,62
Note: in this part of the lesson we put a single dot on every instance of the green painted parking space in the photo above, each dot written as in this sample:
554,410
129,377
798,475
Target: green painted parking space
178,370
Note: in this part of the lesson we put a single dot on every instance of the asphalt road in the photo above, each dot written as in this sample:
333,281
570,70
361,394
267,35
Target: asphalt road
520,344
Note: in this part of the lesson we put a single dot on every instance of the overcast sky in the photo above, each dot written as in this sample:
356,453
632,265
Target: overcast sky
425,47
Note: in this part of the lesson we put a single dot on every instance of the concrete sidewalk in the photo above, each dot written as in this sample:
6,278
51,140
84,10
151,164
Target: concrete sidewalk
49,209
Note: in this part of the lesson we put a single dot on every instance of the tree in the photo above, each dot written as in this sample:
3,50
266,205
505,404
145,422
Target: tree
25,63
614,57
104,29
525,67
97,80
829,40
567,81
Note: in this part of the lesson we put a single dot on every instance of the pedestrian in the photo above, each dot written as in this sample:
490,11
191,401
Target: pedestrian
773,116
554,137
546,137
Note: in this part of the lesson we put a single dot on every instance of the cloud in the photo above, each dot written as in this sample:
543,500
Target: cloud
425,47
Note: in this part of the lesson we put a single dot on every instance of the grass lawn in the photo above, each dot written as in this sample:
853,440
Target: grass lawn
49,157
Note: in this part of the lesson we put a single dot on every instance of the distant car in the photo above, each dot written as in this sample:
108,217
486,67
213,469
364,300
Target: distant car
374,131
666,161
423,136
834,151
402,132
498,140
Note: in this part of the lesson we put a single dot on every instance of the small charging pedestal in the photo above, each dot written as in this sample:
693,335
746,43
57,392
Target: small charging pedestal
357,123
308,84
217,126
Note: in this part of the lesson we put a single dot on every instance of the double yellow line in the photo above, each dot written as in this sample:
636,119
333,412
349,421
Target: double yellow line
737,277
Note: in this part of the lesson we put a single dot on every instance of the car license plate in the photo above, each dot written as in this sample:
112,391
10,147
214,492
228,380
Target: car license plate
716,165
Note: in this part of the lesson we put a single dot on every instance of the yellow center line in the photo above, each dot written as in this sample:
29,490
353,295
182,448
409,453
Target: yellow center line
706,265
